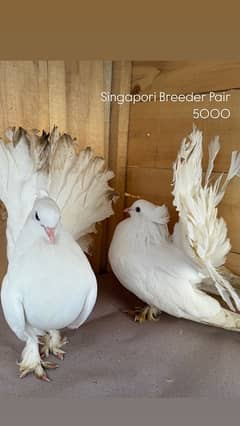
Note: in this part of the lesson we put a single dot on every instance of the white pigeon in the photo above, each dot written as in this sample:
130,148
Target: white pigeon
167,272
33,163
49,285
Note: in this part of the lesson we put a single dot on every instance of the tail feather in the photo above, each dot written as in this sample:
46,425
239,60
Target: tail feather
227,320
206,234
213,150
234,170
77,181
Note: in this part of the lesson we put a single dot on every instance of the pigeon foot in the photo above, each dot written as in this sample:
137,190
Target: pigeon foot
38,369
31,361
51,343
148,313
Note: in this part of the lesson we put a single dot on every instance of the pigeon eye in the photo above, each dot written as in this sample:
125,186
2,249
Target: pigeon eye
37,217
138,209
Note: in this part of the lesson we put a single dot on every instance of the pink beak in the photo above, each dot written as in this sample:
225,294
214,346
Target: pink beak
51,234
127,210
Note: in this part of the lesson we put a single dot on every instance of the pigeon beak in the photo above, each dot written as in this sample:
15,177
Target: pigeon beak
51,234
128,210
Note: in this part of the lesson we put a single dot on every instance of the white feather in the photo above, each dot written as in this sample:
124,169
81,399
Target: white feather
213,149
167,272
49,284
77,182
205,232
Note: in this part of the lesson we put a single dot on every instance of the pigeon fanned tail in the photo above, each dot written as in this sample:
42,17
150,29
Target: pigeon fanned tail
206,234
77,181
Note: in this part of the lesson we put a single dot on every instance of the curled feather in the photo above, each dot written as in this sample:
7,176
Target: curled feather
213,149
206,234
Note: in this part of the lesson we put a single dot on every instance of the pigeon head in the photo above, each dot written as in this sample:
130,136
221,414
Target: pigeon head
46,215
144,210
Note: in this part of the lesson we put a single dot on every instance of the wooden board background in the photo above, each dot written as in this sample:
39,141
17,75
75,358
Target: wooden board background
156,131
139,142
40,94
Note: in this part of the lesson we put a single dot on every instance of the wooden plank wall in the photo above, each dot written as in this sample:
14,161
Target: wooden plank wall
156,130
141,144
40,94
118,141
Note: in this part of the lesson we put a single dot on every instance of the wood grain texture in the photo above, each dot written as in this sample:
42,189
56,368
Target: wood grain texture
157,129
75,102
23,94
99,257
119,139
233,262
57,95
185,76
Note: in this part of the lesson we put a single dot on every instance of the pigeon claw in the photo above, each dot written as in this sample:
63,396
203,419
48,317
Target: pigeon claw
45,378
38,370
49,365
53,346
59,353
148,313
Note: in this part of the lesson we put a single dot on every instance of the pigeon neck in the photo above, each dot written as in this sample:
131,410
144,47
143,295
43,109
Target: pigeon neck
147,233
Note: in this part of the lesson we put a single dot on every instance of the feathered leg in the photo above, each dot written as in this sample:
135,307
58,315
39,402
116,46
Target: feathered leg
31,361
52,343
14,313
